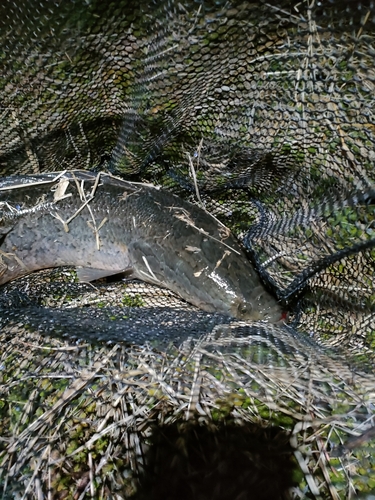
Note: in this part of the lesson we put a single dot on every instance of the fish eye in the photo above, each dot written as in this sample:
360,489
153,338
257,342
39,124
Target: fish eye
244,308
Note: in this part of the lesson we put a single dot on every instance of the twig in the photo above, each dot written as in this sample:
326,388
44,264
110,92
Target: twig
94,228
195,180
149,269
37,183
11,256
188,221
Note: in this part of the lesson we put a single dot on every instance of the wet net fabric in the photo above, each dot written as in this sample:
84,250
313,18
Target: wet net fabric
263,114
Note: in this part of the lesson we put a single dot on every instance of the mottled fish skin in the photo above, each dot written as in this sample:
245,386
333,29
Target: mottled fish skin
139,229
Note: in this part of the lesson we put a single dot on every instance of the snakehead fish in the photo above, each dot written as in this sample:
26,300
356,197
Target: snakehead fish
104,225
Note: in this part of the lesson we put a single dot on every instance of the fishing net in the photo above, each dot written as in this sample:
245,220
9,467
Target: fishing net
262,114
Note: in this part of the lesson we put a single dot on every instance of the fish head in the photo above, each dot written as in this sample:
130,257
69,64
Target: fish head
237,291
234,287
259,305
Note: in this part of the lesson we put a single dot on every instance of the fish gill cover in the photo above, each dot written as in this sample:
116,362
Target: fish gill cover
262,114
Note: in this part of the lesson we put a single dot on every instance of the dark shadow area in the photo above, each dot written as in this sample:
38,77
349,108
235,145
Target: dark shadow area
157,325
217,462
22,302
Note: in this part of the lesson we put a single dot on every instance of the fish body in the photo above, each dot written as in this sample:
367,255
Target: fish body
104,225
